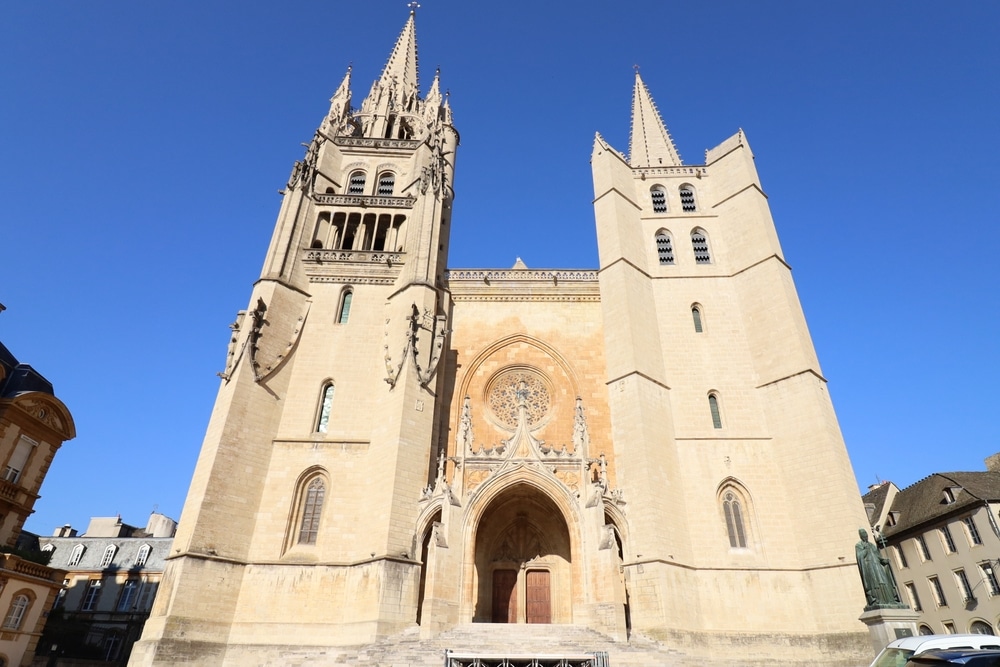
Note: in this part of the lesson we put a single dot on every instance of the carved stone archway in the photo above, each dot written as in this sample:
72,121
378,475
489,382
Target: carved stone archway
523,563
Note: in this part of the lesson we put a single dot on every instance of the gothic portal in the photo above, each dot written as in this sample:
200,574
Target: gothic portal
401,450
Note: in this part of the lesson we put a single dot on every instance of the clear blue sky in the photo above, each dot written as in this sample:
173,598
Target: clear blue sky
142,145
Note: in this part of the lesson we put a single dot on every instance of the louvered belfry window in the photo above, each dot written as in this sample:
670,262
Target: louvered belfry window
700,244
659,196
356,185
386,184
687,199
664,248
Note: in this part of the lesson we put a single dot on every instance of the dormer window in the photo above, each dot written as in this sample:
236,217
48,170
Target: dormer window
891,518
948,494
109,555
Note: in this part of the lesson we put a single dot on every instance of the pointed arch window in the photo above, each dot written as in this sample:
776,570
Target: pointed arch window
386,184
713,407
312,508
735,525
109,555
687,199
344,312
356,183
326,404
76,556
696,316
664,247
699,242
18,607
659,197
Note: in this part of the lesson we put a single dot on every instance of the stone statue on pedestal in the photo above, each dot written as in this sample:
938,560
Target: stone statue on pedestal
876,577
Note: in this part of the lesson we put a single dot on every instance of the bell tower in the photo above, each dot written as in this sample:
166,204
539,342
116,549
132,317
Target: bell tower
325,414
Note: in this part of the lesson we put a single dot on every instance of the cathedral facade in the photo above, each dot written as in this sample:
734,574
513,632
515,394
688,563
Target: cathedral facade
645,449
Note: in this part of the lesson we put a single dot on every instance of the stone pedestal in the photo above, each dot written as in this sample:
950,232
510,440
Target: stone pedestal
886,625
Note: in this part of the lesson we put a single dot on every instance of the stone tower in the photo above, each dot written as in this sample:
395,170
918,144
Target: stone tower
398,450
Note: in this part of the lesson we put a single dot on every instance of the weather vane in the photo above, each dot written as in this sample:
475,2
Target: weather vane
636,68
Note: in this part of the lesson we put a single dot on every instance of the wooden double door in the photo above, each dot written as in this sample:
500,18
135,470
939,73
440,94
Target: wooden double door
537,595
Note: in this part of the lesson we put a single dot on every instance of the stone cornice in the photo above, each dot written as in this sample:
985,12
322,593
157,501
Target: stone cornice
367,142
364,201
524,285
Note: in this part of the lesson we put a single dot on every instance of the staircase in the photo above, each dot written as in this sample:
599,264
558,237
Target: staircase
492,643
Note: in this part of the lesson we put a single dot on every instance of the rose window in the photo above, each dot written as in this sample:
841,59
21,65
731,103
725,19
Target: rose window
510,390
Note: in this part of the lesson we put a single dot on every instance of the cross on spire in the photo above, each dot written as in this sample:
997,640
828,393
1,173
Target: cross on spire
414,6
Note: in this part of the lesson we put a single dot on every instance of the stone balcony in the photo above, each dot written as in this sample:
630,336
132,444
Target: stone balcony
364,201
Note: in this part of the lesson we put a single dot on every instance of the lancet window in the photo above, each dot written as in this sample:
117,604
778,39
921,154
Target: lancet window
696,316
713,407
344,312
326,404
312,508
732,508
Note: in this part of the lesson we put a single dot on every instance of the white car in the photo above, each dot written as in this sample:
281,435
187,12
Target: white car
898,652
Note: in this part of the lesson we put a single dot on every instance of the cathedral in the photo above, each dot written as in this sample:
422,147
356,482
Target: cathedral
622,463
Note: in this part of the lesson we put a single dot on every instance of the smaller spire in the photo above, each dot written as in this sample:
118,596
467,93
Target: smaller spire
650,144
340,103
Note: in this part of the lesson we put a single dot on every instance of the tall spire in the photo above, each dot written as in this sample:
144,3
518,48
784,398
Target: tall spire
650,144
402,66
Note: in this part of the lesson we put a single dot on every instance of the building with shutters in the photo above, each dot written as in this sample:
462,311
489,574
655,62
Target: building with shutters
112,572
942,538
33,426
404,453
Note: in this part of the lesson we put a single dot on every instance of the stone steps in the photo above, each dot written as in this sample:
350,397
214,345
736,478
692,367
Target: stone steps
407,649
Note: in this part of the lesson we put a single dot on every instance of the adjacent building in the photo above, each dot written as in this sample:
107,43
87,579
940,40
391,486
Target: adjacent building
112,573
403,451
33,425
942,540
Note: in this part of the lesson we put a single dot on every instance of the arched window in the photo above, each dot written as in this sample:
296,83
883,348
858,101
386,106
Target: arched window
664,247
326,404
981,628
312,507
386,184
699,241
344,313
18,606
696,316
356,183
659,197
713,407
735,526
109,555
142,556
925,630
76,556
687,199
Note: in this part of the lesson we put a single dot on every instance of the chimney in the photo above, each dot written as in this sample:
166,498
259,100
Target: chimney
993,462
64,531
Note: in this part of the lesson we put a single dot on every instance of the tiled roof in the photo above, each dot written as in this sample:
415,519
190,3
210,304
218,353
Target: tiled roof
876,497
924,501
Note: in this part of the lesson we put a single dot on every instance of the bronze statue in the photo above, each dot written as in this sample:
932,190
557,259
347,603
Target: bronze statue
876,577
